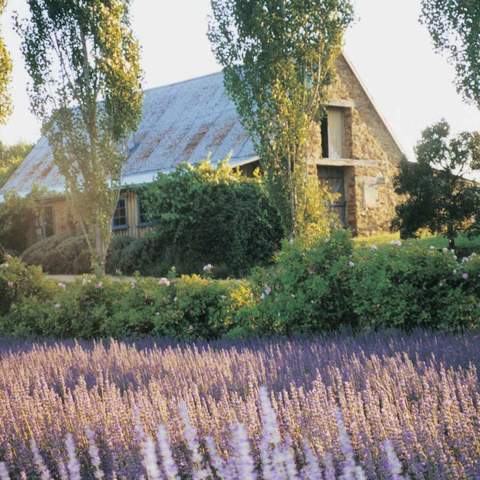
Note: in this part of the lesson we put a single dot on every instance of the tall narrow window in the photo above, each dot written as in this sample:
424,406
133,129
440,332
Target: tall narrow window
324,127
336,127
48,222
142,214
120,216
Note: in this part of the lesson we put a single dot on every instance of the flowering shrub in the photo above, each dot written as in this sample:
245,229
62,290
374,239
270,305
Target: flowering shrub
411,286
18,281
186,307
380,407
306,290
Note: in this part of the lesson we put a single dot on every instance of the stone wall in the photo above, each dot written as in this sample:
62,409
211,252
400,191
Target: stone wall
370,192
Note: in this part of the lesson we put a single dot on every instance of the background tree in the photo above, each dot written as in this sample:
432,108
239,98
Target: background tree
279,60
85,72
5,75
438,196
455,29
11,157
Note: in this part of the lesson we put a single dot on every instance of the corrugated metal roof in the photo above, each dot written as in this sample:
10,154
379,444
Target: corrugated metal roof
183,122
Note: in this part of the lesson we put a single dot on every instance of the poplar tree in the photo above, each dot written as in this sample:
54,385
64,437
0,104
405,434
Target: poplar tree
279,62
5,75
84,65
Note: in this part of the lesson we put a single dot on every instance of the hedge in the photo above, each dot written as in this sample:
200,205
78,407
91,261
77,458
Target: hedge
310,289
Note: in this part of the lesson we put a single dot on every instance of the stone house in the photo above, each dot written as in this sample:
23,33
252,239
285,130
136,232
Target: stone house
188,121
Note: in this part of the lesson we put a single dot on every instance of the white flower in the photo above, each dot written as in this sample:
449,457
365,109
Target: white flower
432,247
374,248
10,284
164,282
351,264
396,243
4,265
57,305
99,285
267,291
445,250
465,275
208,268
62,285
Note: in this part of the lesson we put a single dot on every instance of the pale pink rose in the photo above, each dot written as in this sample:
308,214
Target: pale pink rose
164,282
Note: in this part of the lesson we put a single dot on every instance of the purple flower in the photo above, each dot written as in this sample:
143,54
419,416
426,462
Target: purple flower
465,275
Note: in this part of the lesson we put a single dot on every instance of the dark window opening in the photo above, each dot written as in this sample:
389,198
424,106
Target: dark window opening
334,178
142,213
324,127
120,215
48,222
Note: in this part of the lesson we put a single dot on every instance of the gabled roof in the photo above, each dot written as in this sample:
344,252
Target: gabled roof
182,122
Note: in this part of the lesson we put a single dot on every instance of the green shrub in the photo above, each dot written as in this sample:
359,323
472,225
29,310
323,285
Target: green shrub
306,291
19,281
60,255
413,286
208,215
146,256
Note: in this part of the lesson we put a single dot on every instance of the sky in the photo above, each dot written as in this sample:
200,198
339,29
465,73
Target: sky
393,54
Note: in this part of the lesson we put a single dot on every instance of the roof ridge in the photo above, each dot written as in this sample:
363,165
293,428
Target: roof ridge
182,81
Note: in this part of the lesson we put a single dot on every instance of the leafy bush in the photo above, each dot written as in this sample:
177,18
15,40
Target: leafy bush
19,281
216,216
146,256
188,307
60,254
17,218
315,288
306,291
414,286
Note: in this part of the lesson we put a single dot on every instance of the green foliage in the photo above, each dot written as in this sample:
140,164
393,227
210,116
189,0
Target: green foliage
184,308
323,287
455,29
306,291
414,286
19,281
84,64
279,60
438,197
205,215
147,256
17,219
60,254
5,76
11,157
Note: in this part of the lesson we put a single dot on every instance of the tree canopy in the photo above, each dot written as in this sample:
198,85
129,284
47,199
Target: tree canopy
455,29
84,64
279,60
11,156
439,196
5,75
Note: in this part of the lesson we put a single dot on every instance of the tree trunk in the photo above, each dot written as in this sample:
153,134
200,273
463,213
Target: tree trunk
99,263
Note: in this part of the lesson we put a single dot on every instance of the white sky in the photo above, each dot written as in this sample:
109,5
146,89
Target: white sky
392,52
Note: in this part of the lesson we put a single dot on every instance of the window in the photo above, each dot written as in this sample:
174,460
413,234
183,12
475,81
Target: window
325,137
120,216
333,131
142,214
334,178
48,222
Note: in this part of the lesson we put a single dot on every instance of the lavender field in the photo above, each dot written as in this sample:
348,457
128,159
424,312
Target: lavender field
297,409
